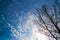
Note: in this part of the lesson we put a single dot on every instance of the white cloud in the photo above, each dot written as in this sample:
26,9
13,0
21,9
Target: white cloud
28,31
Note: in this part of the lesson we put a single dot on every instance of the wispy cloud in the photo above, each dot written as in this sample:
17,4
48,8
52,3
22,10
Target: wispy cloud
28,31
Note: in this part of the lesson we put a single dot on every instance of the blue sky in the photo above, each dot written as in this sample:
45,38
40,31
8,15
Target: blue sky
11,10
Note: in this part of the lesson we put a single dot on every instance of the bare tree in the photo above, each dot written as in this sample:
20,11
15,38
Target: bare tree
50,20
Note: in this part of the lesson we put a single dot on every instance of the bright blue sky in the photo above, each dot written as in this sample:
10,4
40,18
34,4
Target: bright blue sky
10,10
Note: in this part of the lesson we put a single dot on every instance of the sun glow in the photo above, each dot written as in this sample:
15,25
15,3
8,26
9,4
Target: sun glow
36,35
